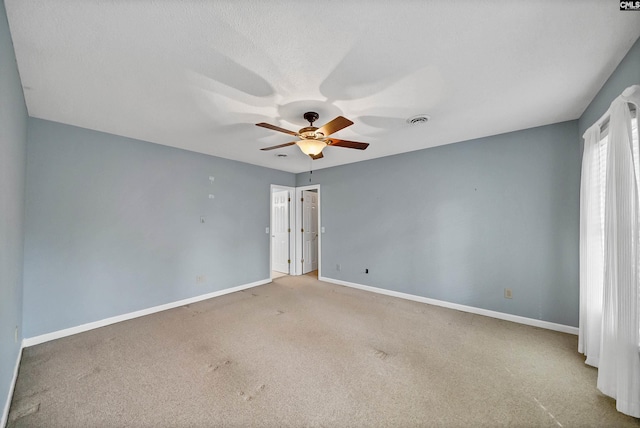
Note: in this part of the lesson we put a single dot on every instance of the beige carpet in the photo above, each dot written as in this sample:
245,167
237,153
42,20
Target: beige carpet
299,352
276,274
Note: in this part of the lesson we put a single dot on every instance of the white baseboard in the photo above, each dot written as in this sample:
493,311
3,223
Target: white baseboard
7,406
478,311
31,341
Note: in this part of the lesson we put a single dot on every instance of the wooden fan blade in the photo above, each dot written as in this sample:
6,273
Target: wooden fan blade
335,125
276,128
279,146
348,144
318,156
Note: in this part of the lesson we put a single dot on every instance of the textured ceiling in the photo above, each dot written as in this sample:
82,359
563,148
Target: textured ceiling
199,74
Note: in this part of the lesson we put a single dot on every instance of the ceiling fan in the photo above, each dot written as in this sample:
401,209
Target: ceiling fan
313,140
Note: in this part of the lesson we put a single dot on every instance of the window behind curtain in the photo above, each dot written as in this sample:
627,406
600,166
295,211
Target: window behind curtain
601,160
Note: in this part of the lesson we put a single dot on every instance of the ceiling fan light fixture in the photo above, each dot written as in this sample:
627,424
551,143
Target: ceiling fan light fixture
311,147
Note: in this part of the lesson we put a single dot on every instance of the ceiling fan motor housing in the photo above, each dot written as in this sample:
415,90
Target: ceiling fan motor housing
310,132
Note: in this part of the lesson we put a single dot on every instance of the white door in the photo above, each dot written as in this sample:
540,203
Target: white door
310,231
280,231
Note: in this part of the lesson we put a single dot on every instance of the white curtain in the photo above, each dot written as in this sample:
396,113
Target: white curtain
610,254
591,247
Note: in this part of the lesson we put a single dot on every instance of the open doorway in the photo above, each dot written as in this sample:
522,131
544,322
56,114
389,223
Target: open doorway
295,231
309,232
308,236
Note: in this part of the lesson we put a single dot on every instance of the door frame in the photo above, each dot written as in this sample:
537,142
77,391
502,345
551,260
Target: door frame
292,225
297,266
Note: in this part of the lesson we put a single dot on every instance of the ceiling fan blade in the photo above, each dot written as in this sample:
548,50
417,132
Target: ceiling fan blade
279,146
348,144
276,128
335,125
318,156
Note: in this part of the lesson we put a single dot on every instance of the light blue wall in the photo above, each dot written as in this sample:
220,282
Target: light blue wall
462,222
13,143
626,74
113,225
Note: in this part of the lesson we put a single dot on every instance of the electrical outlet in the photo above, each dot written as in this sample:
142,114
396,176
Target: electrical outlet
338,267
200,279
508,294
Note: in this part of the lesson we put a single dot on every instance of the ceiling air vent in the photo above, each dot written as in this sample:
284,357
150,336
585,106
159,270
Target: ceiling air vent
418,119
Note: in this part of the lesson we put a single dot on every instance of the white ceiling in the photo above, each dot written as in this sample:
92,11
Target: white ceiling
199,74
